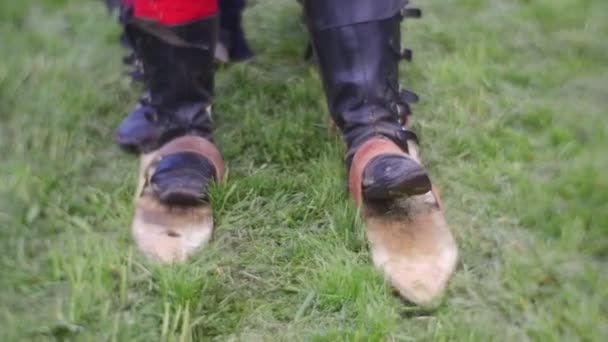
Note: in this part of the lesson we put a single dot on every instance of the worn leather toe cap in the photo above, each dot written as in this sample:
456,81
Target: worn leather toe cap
183,178
389,175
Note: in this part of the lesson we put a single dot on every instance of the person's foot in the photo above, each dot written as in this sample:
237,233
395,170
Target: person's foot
181,177
380,171
358,60
239,50
232,47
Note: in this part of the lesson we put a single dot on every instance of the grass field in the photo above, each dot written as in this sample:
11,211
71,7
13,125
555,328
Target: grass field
513,127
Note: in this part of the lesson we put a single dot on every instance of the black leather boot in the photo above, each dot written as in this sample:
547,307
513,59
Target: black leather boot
357,45
178,69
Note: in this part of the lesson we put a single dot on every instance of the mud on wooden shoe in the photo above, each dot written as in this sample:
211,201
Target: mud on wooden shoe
167,232
409,238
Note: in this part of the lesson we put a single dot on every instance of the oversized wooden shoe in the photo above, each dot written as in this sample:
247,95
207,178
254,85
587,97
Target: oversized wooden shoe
409,238
168,232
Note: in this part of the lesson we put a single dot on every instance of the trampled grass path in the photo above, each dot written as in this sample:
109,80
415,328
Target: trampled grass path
513,127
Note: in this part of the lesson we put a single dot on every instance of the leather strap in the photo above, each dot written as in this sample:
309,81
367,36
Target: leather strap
163,33
366,152
197,145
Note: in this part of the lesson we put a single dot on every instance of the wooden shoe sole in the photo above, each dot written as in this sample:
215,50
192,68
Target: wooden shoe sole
409,238
171,233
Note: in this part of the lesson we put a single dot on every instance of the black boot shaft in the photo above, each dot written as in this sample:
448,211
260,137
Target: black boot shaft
177,60
178,70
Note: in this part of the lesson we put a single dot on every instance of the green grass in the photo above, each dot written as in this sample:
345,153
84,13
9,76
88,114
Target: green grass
513,126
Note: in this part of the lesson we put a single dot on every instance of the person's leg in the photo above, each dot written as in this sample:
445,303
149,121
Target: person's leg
175,41
357,45
232,35
171,128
